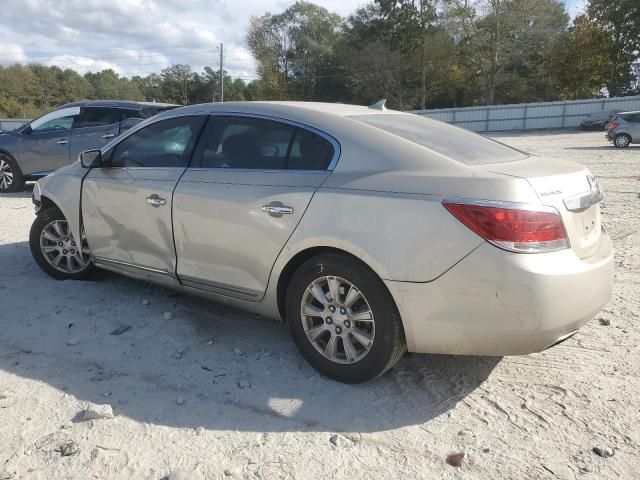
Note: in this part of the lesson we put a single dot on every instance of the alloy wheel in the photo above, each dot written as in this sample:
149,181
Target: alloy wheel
6,175
60,249
622,141
337,320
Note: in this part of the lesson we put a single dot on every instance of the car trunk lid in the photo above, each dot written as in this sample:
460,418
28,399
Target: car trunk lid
568,187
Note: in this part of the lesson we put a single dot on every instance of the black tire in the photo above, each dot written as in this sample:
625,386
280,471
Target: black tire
389,340
10,165
621,141
44,218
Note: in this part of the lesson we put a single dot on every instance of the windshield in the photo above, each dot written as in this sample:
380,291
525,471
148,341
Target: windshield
453,142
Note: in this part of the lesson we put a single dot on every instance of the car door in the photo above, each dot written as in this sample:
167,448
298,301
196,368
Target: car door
634,127
44,143
126,205
236,206
94,128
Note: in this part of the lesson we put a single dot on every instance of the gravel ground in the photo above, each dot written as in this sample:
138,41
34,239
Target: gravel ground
218,393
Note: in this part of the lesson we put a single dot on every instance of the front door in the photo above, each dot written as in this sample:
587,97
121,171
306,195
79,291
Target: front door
44,144
234,210
126,206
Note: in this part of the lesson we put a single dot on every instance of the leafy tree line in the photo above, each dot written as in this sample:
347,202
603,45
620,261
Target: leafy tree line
416,53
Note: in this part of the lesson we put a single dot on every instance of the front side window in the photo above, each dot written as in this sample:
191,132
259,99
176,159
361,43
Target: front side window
167,143
254,143
96,117
56,121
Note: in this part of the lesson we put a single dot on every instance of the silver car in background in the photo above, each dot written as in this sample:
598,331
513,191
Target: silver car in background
624,129
370,232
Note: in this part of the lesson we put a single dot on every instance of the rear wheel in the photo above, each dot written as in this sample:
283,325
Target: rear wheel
622,141
55,250
343,319
11,178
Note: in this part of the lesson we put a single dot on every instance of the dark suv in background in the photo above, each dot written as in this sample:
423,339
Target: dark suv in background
56,138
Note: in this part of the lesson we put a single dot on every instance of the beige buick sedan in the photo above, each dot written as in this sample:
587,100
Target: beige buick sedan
370,232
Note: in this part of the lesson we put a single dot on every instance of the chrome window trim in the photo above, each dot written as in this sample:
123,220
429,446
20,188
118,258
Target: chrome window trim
337,149
248,170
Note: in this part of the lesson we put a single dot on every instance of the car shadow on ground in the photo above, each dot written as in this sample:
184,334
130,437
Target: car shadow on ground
603,147
161,357
26,193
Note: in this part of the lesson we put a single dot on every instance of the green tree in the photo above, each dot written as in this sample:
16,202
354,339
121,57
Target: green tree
620,20
295,52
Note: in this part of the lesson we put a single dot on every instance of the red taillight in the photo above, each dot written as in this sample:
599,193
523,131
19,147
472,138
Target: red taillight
613,125
515,229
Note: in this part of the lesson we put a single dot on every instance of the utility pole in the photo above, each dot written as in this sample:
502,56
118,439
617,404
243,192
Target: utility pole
222,72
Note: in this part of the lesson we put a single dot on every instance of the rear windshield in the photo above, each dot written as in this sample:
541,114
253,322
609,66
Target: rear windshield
456,143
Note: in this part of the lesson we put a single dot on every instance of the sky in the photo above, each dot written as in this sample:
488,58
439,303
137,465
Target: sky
137,37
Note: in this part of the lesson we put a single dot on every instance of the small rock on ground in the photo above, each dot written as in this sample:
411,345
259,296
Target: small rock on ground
183,475
604,452
605,322
68,448
455,459
97,412
340,441
244,384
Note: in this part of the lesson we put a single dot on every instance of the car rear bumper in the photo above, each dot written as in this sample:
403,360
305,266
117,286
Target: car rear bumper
495,302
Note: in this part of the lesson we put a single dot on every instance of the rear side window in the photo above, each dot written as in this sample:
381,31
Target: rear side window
167,143
258,144
96,117
128,113
453,142
631,117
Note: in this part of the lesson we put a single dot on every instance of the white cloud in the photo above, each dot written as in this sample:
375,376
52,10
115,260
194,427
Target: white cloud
141,36
12,53
82,65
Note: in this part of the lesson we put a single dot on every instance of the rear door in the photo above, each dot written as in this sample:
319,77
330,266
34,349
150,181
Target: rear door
237,205
126,207
634,126
94,128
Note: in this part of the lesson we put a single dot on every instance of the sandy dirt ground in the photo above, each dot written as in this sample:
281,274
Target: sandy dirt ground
217,393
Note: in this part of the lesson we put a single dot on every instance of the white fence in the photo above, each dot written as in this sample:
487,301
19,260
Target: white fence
528,116
12,123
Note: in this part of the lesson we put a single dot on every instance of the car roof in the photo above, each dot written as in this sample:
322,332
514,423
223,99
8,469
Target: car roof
283,108
627,113
128,104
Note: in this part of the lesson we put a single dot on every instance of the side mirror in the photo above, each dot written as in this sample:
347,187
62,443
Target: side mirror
27,130
128,123
90,158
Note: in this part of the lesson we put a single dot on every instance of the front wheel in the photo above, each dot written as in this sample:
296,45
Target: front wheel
55,250
622,141
343,319
11,178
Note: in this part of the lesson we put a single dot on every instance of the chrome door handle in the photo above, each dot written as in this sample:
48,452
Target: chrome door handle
156,201
277,209
109,135
64,141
